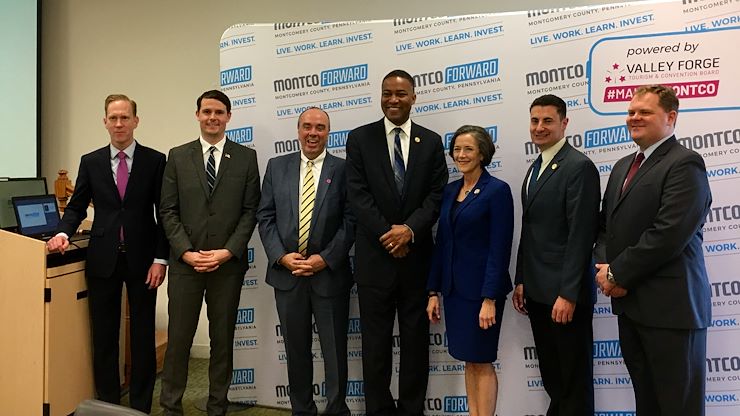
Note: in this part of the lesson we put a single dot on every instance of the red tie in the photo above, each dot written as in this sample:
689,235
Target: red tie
633,169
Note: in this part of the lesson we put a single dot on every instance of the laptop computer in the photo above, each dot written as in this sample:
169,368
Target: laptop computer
37,215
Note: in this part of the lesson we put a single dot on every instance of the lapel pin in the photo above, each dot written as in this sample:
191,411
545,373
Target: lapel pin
227,156
477,191
417,140
328,180
554,166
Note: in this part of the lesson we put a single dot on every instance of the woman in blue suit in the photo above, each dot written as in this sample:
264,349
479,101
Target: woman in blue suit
470,268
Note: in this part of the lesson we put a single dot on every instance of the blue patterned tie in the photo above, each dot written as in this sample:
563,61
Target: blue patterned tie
399,170
535,173
211,169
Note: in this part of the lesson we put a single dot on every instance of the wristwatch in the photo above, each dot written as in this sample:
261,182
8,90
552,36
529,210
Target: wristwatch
610,276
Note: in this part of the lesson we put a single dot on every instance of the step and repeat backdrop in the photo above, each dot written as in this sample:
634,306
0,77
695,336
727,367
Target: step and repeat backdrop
486,70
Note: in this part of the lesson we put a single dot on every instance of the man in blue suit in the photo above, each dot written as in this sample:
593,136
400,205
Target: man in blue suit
560,207
307,230
652,260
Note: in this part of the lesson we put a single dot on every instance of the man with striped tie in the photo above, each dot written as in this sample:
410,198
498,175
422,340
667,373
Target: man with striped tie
210,193
307,230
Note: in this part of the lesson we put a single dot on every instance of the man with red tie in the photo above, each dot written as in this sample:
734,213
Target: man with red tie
651,259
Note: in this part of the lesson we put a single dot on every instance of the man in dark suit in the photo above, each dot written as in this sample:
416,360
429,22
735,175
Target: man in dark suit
210,194
127,244
560,206
396,171
307,230
650,247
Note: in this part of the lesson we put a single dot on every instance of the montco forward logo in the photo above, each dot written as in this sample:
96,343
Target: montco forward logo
539,13
607,349
242,376
245,316
402,22
241,135
711,139
453,74
548,76
237,75
327,78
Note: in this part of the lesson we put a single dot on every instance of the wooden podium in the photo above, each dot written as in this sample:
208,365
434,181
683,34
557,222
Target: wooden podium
45,349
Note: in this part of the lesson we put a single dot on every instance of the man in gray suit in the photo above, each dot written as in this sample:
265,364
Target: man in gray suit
560,206
209,198
652,261
307,230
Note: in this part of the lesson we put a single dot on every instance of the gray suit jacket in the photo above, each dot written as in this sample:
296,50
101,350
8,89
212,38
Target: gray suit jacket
195,220
332,226
652,238
559,227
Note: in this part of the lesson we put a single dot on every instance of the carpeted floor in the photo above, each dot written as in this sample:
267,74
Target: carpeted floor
197,392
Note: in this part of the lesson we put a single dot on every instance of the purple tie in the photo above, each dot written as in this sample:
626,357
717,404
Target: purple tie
122,179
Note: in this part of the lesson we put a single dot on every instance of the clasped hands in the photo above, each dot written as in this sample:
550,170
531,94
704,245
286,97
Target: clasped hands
204,261
607,288
396,240
301,266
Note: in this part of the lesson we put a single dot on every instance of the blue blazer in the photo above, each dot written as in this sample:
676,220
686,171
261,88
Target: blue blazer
473,245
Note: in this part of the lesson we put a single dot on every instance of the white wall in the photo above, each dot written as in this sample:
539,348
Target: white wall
163,54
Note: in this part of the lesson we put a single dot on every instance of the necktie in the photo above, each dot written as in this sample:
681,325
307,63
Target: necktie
211,169
121,180
534,175
399,169
306,209
633,169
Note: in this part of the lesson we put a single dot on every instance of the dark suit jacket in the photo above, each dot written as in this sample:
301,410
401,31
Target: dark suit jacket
195,220
652,238
473,245
332,226
373,198
145,238
559,227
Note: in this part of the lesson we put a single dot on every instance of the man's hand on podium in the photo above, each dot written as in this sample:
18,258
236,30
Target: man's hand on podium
58,242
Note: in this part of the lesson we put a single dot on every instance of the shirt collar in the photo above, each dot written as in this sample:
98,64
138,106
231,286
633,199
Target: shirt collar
219,145
649,151
549,153
129,150
389,126
317,160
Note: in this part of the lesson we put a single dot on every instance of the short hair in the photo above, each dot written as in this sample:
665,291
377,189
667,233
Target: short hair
328,120
215,95
484,141
401,74
667,98
119,97
553,100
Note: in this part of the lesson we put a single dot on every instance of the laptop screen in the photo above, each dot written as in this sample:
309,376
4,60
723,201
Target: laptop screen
38,216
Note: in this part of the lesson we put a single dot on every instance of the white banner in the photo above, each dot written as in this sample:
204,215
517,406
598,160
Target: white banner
486,70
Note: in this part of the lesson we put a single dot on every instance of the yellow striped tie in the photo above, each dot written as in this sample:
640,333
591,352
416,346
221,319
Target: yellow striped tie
306,209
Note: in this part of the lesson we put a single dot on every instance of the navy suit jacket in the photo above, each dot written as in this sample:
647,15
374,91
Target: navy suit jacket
473,245
374,200
560,221
652,238
145,238
332,226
